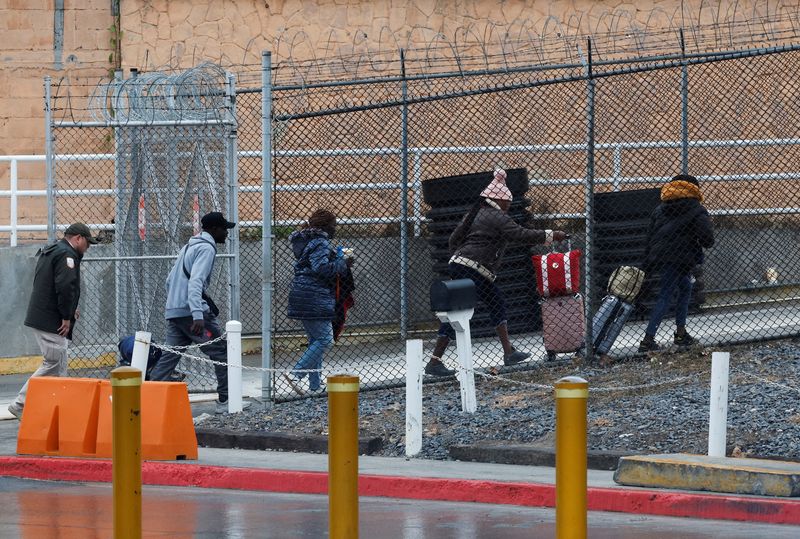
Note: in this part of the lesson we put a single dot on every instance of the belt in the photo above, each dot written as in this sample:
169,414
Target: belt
469,263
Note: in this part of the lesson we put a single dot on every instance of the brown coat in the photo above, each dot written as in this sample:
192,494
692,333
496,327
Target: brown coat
487,238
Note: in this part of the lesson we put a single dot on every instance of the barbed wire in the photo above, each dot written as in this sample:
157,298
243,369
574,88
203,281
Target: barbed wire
196,94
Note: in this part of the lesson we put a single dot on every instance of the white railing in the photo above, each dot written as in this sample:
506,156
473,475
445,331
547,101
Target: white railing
616,179
14,193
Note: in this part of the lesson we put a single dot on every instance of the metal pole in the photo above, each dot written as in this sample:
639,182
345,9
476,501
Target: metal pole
718,413
684,109
126,428
413,397
141,350
266,226
13,201
571,395
589,226
343,456
404,204
233,203
234,330
48,143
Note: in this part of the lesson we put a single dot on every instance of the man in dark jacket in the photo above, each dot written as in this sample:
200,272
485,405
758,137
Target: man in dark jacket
53,306
680,228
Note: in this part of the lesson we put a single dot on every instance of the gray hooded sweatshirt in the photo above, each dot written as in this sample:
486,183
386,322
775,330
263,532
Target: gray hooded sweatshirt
184,295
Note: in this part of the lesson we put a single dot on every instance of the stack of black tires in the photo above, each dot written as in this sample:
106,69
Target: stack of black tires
621,220
450,198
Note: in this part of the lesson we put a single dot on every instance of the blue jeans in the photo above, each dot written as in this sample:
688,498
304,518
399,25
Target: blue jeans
487,292
320,339
671,278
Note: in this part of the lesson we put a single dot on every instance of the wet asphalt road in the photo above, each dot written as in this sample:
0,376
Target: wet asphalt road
57,510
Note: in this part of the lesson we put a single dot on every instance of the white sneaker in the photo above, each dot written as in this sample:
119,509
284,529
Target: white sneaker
319,391
15,410
222,407
294,382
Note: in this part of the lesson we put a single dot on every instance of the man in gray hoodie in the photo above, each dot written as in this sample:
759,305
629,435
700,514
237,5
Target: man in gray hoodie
192,315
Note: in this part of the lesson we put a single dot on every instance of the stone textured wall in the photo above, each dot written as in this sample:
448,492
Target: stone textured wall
182,33
27,44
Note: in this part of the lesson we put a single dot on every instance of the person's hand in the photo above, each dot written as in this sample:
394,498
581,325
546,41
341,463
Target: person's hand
559,235
197,327
77,313
349,261
63,329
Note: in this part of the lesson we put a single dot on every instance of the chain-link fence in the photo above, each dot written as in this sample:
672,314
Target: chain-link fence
401,159
587,149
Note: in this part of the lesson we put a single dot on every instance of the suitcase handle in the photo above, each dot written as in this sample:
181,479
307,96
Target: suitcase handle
568,239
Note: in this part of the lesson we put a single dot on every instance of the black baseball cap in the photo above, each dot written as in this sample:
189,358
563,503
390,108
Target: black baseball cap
80,229
215,218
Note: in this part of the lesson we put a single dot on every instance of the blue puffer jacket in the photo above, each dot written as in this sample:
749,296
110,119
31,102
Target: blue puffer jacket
312,294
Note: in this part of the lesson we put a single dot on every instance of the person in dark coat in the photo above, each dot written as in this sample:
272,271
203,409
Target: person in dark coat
680,228
477,246
53,306
312,294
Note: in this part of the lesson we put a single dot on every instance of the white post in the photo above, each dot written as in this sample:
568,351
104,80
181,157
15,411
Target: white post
141,349
413,397
234,330
13,186
718,417
466,377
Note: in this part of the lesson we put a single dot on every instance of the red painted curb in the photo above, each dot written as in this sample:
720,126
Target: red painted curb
664,503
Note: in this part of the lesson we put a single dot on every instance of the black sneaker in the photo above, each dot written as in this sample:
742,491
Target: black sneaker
515,357
684,340
437,368
648,346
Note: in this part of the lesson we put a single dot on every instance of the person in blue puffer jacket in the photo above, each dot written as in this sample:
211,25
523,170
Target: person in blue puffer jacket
311,296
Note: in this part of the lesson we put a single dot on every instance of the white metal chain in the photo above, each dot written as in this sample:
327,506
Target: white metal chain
770,382
181,351
619,389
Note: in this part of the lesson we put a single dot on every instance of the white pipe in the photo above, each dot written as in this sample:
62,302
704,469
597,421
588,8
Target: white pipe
141,349
234,330
13,186
413,397
718,416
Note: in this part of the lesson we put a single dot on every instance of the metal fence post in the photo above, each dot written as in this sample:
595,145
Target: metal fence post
684,108
266,226
233,202
404,204
589,227
48,143
13,202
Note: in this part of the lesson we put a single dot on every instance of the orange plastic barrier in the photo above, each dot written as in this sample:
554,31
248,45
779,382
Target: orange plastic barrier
167,426
71,417
60,417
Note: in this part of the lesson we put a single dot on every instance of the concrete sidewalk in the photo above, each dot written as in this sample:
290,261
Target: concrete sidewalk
402,478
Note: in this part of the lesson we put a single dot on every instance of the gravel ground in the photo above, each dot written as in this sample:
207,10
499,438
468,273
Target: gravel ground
763,412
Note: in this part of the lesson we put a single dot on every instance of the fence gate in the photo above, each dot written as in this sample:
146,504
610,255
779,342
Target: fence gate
141,163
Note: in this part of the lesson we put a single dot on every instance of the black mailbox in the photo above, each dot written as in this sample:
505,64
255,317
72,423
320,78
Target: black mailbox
453,295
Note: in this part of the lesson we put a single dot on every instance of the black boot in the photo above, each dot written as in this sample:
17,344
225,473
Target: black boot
436,368
649,344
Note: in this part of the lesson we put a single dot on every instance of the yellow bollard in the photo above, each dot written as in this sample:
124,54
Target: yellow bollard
571,395
343,457
126,396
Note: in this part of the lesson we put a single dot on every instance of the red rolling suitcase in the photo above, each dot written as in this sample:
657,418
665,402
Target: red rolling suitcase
563,324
